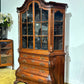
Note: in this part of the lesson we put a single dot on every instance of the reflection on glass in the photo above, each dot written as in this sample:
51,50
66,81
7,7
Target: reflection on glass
30,29
45,28
30,42
24,42
44,15
58,16
24,29
37,28
44,43
58,43
24,17
58,28
37,42
30,14
37,12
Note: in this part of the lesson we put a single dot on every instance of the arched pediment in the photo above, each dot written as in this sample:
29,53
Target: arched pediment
42,4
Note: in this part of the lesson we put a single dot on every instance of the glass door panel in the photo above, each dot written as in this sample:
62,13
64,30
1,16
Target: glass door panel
24,17
30,14
37,42
30,42
45,43
44,15
30,29
45,28
37,12
58,31
58,43
24,29
58,28
37,28
24,42
58,16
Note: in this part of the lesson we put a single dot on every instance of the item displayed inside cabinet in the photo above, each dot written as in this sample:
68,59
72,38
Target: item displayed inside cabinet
6,53
41,43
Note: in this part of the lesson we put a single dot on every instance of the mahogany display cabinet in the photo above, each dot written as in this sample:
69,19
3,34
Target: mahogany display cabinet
41,43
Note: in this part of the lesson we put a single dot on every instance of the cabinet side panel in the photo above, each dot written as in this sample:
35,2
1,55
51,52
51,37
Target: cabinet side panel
58,69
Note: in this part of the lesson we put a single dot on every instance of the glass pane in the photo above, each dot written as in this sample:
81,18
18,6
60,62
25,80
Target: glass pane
58,28
45,43
37,12
37,28
24,17
37,42
58,43
44,15
24,29
30,14
30,29
24,42
58,16
45,28
30,42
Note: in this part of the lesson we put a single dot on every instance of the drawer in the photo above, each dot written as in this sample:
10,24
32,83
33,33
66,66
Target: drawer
32,77
35,70
36,57
33,62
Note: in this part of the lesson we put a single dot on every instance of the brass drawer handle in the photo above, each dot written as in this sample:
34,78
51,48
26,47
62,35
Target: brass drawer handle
23,75
42,71
25,68
40,80
33,67
24,61
32,60
42,64
33,56
24,55
42,58
31,75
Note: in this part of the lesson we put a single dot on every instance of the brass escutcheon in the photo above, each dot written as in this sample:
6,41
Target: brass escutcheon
24,55
23,75
40,80
42,64
32,60
31,75
24,61
42,58
42,71
25,68
33,55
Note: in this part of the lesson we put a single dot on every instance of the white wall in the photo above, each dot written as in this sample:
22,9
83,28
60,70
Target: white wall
74,38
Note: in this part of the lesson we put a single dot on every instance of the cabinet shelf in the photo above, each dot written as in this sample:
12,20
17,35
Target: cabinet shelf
6,48
6,53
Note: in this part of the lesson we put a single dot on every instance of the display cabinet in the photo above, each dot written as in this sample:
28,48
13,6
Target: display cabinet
6,53
41,43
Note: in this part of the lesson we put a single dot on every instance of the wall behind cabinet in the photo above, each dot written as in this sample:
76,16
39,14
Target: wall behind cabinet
0,5
75,35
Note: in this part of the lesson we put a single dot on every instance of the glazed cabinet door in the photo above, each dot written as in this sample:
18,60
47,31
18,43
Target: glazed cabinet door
35,27
59,30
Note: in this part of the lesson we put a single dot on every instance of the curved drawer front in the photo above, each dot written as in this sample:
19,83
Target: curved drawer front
36,57
32,77
33,62
35,70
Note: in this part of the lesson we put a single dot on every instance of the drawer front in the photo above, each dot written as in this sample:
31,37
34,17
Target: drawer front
36,57
35,70
33,62
32,77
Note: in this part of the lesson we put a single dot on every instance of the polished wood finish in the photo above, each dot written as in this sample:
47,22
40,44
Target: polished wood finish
6,53
40,66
